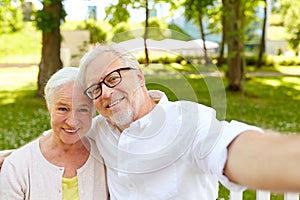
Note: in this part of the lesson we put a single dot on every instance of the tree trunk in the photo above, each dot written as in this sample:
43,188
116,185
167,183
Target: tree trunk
203,37
235,44
146,34
263,38
50,59
222,45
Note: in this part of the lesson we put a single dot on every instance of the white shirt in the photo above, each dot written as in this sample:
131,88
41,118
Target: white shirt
26,174
177,151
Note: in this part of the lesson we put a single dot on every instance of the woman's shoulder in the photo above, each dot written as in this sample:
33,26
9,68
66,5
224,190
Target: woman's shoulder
22,153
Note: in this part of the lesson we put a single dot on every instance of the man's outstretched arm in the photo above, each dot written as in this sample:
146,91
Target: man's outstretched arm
265,161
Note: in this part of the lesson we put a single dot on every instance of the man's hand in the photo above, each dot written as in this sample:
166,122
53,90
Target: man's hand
265,161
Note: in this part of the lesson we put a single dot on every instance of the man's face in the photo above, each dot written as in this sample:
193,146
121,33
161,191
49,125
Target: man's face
119,104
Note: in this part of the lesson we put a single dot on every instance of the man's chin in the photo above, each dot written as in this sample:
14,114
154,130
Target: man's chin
121,120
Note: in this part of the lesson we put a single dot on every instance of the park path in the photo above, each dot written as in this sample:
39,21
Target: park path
17,64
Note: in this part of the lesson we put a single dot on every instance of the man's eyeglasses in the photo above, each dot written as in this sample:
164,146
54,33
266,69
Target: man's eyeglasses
110,80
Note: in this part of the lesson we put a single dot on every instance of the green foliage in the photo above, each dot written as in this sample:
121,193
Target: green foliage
178,34
289,12
275,19
194,8
127,31
97,32
118,13
46,21
48,18
11,17
251,33
272,60
157,27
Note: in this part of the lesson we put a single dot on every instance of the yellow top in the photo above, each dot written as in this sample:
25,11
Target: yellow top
70,188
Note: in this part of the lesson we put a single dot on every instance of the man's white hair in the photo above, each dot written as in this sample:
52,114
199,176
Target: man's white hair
125,57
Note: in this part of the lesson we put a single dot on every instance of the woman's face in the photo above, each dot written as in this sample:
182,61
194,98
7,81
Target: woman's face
71,113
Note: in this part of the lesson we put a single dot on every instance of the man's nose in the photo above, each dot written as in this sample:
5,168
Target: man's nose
106,91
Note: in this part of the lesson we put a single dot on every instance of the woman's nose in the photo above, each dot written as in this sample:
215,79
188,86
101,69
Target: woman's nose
71,119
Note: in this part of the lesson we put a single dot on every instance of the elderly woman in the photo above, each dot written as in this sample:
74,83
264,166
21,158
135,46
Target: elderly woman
64,164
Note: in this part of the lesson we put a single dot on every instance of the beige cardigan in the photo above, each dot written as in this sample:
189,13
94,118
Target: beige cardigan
26,174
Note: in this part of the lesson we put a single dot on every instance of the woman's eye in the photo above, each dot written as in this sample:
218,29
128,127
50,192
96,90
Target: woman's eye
83,110
62,109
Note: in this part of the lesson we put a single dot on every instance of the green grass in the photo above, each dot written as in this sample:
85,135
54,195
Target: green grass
23,114
21,47
269,102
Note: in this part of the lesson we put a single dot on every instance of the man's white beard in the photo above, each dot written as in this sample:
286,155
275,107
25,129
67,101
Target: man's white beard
123,118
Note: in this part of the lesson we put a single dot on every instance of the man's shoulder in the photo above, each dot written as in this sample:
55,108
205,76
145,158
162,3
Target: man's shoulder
192,107
98,121
99,124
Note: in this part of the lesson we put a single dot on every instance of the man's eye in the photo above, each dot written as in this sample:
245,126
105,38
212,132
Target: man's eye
112,79
96,89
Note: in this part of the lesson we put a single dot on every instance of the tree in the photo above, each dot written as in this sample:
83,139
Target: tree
146,32
239,13
120,13
48,20
233,14
11,17
289,11
196,10
263,37
224,35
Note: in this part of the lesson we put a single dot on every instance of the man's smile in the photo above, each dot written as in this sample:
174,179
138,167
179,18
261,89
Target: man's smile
115,102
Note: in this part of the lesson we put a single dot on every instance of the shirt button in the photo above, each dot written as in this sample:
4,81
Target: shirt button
130,185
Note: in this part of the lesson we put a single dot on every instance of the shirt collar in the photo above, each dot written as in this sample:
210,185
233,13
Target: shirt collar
160,99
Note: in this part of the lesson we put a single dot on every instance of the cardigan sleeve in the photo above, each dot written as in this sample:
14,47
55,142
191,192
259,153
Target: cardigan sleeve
11,182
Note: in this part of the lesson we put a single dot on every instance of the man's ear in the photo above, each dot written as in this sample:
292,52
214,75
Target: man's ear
141,77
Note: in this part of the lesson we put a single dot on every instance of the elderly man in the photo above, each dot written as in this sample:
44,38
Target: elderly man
157,149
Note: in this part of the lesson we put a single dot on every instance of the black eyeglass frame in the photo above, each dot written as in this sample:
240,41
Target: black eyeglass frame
86,91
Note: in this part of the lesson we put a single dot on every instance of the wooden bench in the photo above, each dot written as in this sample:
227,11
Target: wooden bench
263,195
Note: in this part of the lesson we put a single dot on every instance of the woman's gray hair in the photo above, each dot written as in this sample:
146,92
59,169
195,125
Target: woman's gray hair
59,78
125,57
